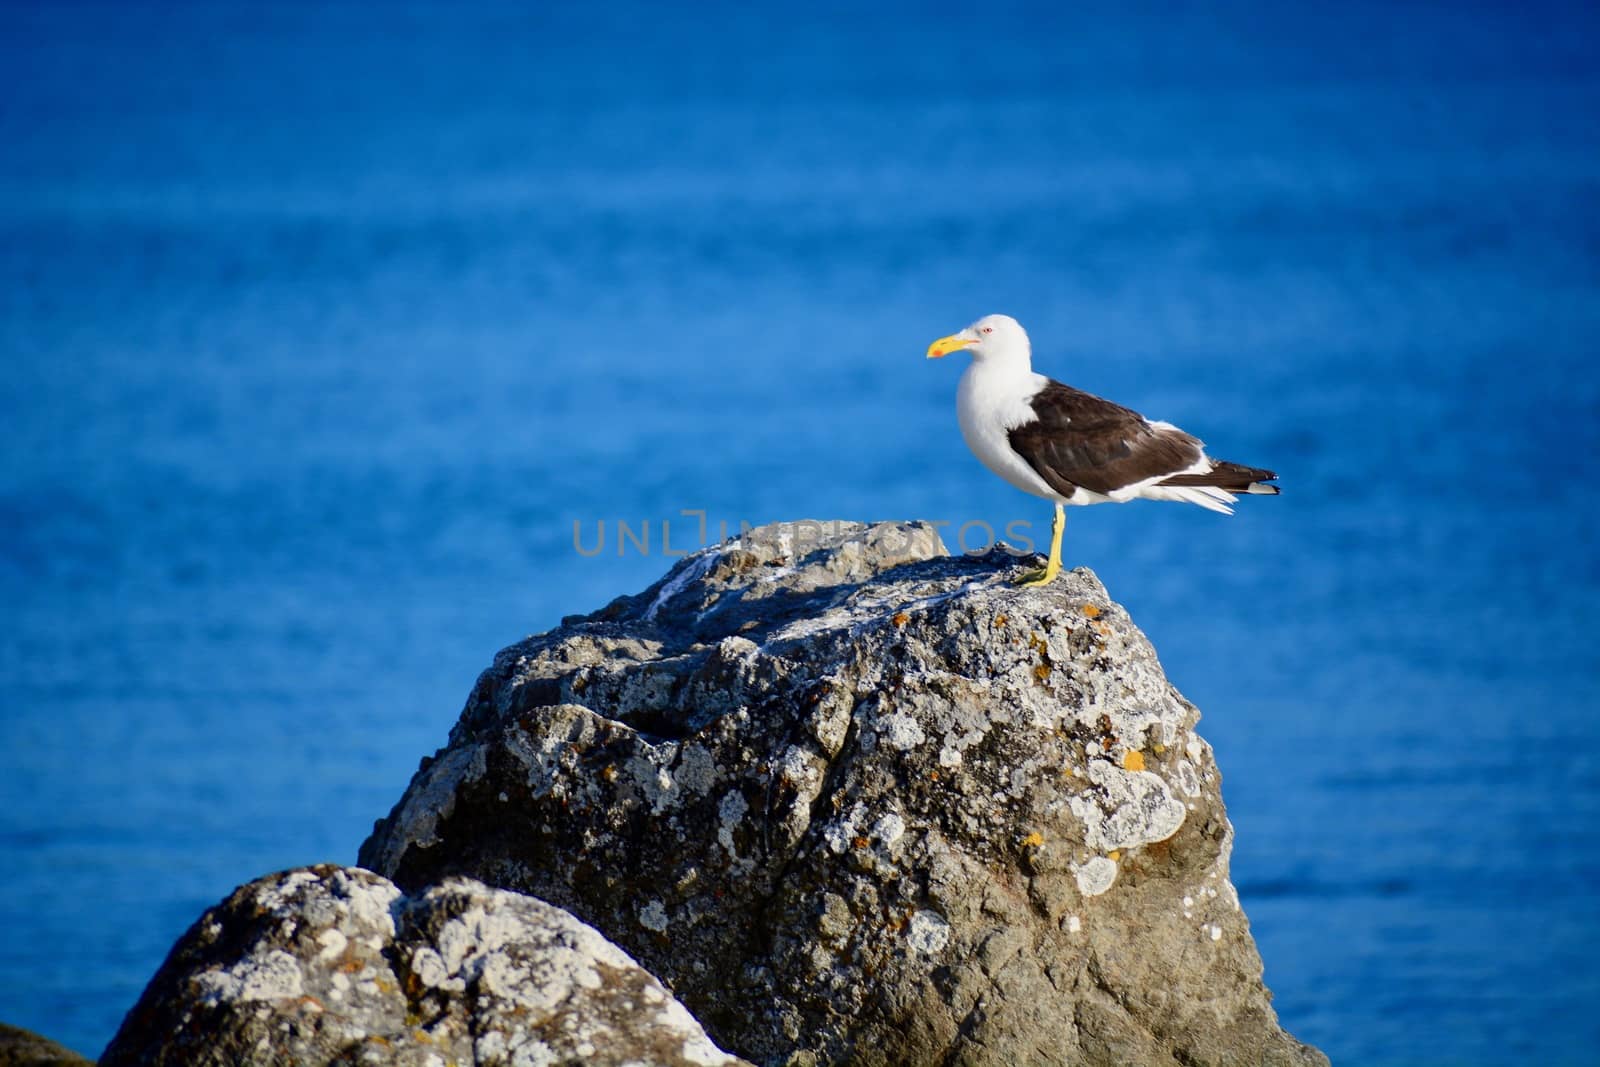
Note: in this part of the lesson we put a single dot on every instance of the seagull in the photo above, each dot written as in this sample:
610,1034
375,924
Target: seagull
1072,447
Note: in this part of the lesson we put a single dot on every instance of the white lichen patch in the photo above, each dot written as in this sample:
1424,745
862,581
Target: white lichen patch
901,731
1133,725
841,832
653,781
1074,924
490,1047
333,944
275,975
1126,808
531,1052
276,897
1188,779
730,812
653,916
800,768
431,971
889,829
927,932
563,728
737,648
1137,698
369,903
1096,876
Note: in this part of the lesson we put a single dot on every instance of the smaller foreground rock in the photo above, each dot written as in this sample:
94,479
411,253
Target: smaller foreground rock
24,1048
332,964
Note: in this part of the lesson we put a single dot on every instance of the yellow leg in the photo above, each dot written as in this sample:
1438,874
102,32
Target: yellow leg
1053,566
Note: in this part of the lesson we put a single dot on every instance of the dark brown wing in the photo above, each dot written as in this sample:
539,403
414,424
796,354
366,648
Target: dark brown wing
1081,440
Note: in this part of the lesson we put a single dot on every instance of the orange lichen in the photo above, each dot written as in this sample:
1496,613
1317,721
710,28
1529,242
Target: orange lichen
861,842
1090,611
1033,840
1133,761
900,618
1042,671
1115,855
999,620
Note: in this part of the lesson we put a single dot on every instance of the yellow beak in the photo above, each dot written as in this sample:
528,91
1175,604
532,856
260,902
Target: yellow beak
946,345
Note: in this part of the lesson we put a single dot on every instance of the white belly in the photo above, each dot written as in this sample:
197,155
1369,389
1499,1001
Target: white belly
990,402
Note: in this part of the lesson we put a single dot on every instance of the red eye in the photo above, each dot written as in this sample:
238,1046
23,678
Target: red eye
988,329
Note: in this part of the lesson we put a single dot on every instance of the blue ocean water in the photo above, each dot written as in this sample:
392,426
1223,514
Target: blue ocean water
321,330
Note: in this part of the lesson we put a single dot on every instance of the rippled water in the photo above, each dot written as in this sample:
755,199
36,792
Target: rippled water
321,331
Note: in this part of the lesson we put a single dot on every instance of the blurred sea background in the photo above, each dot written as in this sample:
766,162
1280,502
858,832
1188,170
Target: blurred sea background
322,326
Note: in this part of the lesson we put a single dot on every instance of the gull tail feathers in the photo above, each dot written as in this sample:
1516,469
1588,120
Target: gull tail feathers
1231,478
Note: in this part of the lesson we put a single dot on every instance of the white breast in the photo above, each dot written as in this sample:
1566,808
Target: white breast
991,401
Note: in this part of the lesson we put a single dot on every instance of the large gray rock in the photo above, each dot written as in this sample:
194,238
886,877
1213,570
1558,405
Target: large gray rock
329,965
855,799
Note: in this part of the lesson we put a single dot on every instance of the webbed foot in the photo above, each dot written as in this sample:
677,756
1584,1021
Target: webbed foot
1042,576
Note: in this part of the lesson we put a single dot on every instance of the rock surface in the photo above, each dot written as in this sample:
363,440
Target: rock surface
332,965
858,800
24,1048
